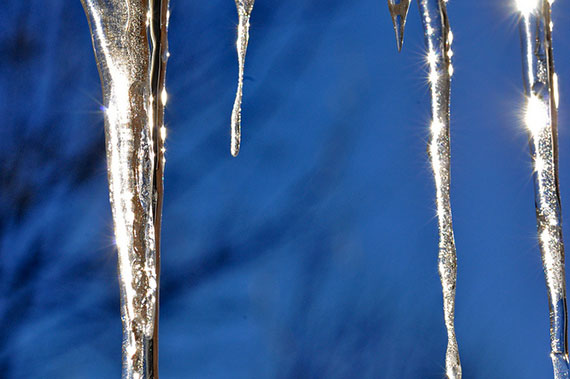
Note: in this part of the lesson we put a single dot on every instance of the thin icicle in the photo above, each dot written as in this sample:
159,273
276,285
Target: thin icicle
541,120
134,143
244,8
438,38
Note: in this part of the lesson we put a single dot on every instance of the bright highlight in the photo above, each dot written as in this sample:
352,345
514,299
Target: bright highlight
536,115
526,7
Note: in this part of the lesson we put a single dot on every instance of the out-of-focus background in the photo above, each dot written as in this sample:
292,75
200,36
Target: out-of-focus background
314,253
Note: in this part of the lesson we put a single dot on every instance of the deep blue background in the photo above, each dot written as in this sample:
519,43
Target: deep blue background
311,255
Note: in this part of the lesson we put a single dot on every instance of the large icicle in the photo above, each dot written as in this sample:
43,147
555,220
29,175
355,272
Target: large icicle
438,38
132,78
244,8
541,119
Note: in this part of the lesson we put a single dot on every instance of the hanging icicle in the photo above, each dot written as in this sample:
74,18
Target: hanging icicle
438,38
132,71
399,12
541,119
244,8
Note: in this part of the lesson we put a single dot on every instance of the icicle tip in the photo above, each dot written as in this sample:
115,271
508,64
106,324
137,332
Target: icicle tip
236,133
234,149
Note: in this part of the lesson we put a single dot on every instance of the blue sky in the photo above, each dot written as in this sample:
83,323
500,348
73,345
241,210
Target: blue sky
314,253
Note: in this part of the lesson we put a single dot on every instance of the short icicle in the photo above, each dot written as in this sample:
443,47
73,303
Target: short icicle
132,71
541,119
244,8
399,13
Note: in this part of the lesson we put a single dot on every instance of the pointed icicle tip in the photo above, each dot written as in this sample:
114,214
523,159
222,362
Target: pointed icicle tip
399,13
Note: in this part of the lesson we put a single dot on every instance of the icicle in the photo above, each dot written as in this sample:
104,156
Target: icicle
438,38
541,120
134,142
244,8
399,12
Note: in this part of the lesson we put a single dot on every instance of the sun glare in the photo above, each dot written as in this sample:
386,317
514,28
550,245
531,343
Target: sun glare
526,7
